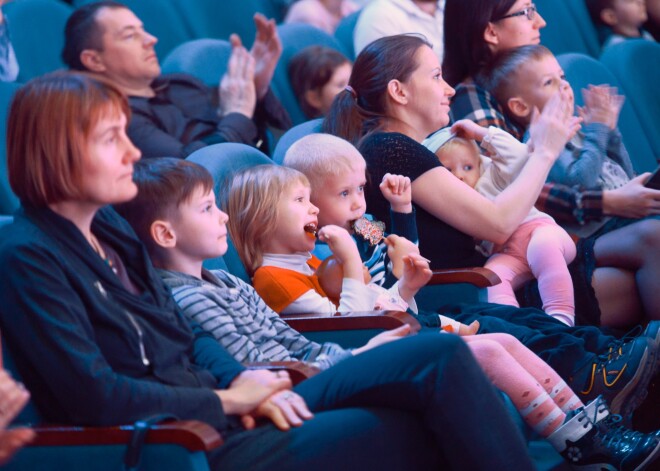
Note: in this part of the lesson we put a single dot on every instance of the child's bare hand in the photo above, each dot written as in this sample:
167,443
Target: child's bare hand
469,130
397,248
344,249
397,190
602,104
236,88
416,273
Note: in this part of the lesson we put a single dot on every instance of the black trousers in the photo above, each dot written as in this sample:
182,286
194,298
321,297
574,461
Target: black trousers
564,348
417,403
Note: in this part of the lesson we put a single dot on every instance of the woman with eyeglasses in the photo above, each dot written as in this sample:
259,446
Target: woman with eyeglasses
475,31
607,287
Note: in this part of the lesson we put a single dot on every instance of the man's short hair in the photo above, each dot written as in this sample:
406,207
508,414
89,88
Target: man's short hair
319,156
50,121
163,185
82,32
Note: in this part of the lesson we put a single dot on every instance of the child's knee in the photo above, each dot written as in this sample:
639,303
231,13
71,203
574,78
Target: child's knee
486,349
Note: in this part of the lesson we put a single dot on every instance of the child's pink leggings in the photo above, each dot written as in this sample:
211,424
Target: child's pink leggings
540,249
537,391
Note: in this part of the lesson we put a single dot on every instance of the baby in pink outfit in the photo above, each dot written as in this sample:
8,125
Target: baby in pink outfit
539,248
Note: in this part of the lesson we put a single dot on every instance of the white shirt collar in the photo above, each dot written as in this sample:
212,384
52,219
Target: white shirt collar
296,261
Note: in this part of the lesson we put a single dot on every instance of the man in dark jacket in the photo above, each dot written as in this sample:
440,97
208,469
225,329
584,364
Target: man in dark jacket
176,114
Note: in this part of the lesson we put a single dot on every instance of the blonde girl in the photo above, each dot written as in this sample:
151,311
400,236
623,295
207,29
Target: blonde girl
270,217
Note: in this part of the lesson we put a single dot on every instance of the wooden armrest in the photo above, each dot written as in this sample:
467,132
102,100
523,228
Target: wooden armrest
385,320
478,276
298,370
190,434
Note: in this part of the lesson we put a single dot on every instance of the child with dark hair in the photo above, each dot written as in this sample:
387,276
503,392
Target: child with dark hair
317,74
176,216
618,20
285,274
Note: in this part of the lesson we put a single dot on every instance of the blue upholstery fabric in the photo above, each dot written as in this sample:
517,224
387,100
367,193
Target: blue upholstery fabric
295,37
636,64
292,135
344,33
37,34
8,201
206,59
562,33
580,14
581,71
218,19
168,456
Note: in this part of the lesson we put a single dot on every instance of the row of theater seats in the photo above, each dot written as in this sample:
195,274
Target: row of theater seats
181,445
633,66
38,25
174,22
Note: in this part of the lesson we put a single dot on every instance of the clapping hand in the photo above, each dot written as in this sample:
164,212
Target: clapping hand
602,104
266,51
237,91
551,129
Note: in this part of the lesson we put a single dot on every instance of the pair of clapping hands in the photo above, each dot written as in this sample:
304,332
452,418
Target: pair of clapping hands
249,73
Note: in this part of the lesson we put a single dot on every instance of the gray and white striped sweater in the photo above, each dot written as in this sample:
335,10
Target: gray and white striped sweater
232,311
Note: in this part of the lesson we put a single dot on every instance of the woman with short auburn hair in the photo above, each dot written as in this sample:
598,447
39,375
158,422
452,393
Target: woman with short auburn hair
99,340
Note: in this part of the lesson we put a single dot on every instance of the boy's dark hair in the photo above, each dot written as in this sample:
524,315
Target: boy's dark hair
163,185
497,75
83,32
311,69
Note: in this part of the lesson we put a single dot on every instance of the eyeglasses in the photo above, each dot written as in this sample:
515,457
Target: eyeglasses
529,12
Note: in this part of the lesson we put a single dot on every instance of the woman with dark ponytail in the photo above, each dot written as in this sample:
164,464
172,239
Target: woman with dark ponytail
396,97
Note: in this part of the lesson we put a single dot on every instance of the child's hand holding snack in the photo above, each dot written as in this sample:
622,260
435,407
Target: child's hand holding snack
344,249
408,265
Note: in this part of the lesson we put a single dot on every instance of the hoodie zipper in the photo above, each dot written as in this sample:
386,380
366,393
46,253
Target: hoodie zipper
143,352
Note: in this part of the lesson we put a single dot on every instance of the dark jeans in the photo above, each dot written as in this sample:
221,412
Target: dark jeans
417,403
564,348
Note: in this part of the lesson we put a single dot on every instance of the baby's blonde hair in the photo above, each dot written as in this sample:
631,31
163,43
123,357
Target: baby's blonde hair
252,202
457,142
319,156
